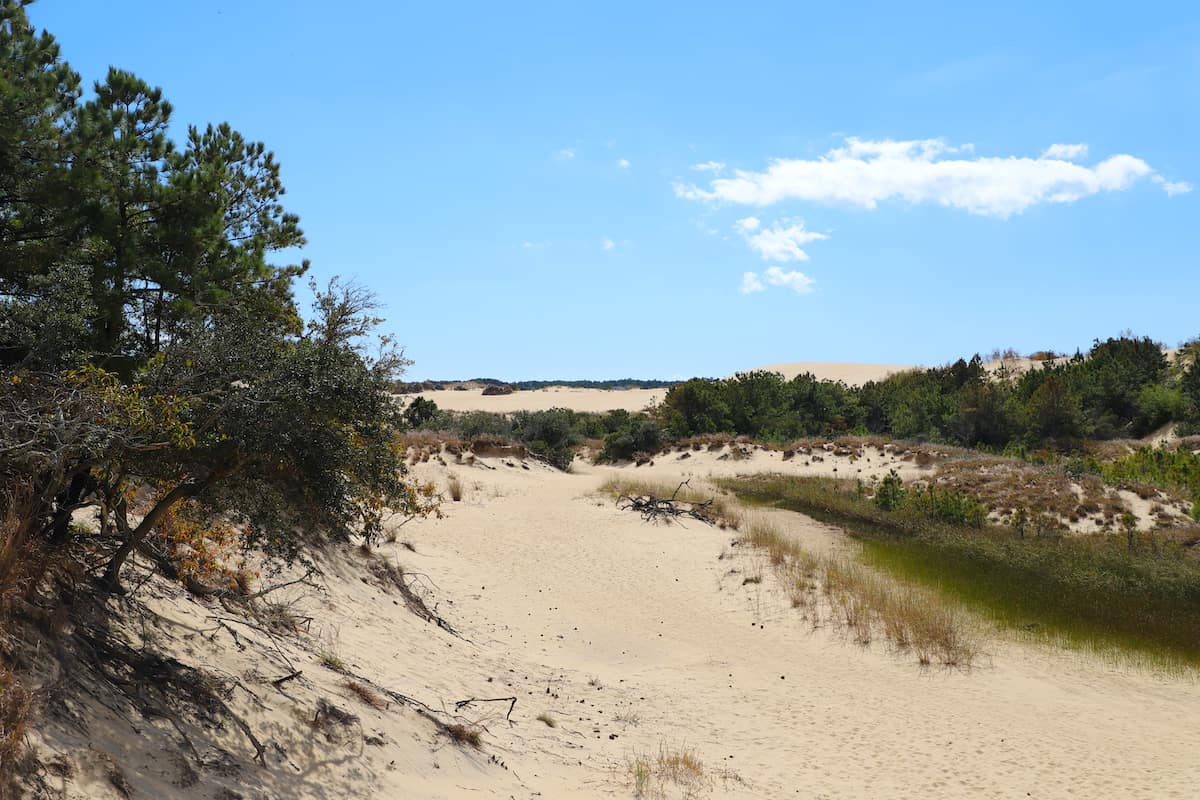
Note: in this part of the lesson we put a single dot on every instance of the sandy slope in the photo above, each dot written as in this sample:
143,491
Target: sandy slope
635,637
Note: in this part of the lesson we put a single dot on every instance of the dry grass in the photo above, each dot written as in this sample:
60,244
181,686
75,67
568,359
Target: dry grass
454,487
841,591
671,769
15,703
18,563
366,694
465,735
722,509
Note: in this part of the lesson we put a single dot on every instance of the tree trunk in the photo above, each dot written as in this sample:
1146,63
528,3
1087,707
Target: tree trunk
112,573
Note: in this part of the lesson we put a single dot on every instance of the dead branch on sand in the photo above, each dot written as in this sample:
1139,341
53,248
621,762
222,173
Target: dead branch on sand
668,509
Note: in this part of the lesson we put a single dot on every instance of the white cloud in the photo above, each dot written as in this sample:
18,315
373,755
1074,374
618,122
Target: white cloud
608,244
566,154
623,163
751,283
783,241
1067,152
864,173
796,281
709,166
1172,188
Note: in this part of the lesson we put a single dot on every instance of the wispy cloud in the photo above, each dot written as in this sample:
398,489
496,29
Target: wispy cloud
608,244
1067,152
1172,188
623,163
566,154
798,282
751,283
782,241
709,166
866,172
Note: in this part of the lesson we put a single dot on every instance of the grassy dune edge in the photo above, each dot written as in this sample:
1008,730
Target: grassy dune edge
1108,593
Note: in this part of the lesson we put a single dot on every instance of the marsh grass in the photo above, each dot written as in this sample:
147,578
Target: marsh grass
1101,592
722,510
838,590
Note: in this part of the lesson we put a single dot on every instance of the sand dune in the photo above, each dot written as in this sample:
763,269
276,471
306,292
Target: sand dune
597,400
632,638
852,374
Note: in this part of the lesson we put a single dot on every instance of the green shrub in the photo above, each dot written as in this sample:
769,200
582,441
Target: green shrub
639,437
891,492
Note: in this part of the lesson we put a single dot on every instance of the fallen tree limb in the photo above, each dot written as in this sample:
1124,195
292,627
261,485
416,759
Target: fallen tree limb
667,509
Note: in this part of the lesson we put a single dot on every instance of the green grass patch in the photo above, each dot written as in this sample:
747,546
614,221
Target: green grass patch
1091,592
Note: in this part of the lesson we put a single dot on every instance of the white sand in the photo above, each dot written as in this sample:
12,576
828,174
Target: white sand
597,400
851,374
588,614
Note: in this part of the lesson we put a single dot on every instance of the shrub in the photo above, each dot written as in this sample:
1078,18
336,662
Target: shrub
638,437
890,494
420,411
550,434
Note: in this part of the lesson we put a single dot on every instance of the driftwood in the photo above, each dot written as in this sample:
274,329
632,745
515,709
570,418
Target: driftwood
667,509
512,703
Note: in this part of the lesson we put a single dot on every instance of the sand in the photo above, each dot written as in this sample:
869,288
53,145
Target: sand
850,374
596,400
634,638
599,400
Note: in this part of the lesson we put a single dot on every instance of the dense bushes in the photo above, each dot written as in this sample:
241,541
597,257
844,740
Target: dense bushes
1122,387
761,404
638,437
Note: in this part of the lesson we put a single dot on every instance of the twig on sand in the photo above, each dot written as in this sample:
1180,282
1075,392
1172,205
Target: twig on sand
512,703
667,509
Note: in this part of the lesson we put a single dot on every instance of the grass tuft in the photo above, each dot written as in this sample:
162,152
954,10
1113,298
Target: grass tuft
465,735
331,660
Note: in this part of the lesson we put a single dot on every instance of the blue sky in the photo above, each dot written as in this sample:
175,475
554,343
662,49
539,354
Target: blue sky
519,182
